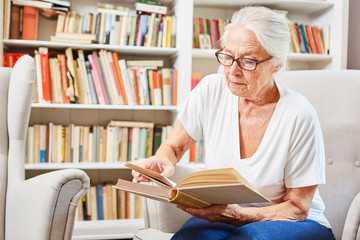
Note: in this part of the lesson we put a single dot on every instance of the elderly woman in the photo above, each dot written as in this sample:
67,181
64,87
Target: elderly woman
267,132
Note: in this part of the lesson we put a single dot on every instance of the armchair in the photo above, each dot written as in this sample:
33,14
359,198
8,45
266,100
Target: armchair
42,207
335,96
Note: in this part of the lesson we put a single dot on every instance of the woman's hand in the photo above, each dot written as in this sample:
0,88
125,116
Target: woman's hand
165,168
295,206
229,213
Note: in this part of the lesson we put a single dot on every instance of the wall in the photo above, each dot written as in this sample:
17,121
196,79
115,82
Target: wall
354,35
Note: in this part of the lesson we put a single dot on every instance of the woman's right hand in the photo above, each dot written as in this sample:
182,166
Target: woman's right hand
164,167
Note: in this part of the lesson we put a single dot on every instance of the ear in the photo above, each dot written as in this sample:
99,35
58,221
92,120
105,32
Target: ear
277,68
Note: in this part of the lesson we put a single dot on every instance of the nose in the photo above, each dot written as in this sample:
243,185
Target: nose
235,69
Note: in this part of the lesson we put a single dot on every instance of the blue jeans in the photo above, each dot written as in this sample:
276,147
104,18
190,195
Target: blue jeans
196,228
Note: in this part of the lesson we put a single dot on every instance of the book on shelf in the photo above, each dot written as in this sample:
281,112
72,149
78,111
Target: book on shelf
308,38
197,190
207,32
103,202
119,141
117,25
30,23
99,77
151,7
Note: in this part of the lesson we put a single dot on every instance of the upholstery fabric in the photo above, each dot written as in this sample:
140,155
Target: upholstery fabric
335,96
4,83
42,207
352,224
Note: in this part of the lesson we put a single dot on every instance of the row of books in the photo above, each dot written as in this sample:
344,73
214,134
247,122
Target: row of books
103,202
102,77
310,39
207,32
10,58
119,141
119,26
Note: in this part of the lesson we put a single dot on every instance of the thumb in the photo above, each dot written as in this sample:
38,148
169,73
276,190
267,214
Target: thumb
168,171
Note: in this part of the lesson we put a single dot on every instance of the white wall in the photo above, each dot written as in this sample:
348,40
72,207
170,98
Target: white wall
354,35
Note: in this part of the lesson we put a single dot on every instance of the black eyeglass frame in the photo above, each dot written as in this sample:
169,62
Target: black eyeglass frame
257,62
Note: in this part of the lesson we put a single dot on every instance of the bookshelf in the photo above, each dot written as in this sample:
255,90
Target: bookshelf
184,59
312,12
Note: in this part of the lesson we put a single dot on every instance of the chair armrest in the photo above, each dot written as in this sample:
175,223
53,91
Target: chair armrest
163,216
352,223
45,205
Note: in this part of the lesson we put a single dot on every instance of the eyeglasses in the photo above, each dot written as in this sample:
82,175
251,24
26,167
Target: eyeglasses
244,63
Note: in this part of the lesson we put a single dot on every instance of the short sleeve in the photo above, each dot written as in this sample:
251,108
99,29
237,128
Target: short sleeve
191,113
305,165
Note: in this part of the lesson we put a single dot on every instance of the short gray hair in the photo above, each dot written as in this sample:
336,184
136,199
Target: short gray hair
270,28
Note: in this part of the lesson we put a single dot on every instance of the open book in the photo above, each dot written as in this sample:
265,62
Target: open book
197,190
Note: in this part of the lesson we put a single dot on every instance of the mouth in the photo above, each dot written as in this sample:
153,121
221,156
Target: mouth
237,83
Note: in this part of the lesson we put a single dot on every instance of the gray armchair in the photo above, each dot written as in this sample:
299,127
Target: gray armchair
335,96
42,207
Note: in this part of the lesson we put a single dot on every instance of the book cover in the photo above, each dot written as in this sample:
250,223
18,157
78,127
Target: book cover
64,80
45,74
114,78
30,23
157,137
97,83
197,190
94,97
166,86
83,77
101,77
304,38
174,88
310,39
119,77
157,88
15,22
99,201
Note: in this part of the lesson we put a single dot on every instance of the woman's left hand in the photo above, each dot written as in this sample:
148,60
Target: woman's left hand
229,213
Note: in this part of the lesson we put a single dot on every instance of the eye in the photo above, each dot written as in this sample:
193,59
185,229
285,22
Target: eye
248,61
227,58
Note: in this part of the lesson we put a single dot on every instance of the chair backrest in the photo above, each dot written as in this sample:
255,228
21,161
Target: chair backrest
4,86
14,118
335,96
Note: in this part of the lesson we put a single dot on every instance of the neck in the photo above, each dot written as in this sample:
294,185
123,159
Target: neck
267,96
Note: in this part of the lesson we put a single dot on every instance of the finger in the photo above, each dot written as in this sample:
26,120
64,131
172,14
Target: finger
168,172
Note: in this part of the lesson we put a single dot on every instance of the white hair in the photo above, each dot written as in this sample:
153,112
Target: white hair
270,28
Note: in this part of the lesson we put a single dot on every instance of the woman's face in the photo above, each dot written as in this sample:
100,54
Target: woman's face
251,85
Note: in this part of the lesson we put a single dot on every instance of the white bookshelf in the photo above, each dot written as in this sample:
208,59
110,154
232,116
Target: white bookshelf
183,58
314,12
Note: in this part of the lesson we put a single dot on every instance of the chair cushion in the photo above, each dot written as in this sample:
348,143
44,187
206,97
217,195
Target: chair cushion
151,234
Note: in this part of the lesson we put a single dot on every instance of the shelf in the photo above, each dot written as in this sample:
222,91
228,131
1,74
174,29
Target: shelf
102,107
308,57
307,7
299,57
107,229
142,51
56,166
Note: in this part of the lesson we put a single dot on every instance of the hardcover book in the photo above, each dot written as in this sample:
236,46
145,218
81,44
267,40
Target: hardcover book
197,190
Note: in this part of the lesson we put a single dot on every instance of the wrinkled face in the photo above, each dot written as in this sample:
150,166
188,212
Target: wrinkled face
242,43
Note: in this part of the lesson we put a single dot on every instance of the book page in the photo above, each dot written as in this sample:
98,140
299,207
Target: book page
210,177
146,190
154,176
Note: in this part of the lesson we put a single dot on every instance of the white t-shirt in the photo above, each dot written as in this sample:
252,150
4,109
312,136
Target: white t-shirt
291,153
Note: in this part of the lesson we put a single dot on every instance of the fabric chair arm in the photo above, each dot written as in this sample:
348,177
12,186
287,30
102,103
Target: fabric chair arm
44,207
352,223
